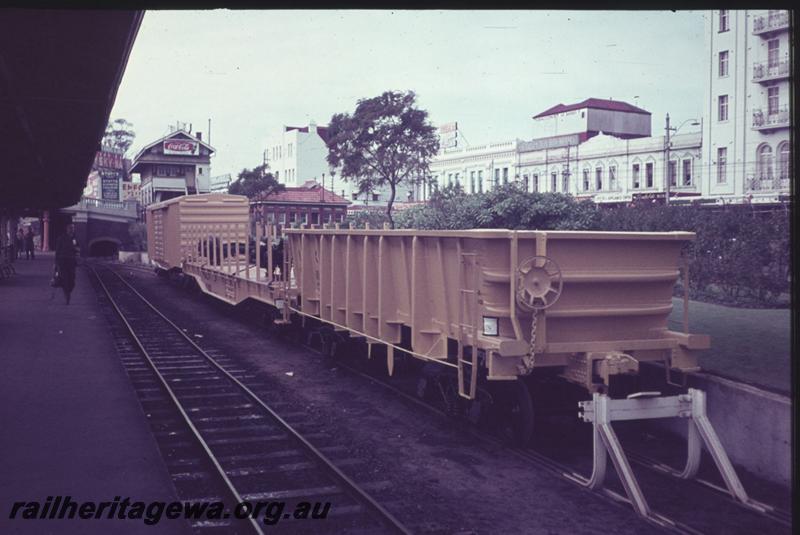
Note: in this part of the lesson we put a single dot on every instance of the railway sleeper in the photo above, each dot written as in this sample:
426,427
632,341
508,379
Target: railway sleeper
601,411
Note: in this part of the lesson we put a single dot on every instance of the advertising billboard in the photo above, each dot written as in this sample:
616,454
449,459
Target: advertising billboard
109,184
181,147
448,135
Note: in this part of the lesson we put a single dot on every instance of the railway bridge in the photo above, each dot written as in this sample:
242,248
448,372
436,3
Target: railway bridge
103,227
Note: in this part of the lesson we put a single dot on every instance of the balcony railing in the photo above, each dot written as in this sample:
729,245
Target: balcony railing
766,121
771,23
763,72
755,183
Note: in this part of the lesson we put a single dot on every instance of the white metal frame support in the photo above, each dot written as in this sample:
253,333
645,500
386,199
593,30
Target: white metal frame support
601,411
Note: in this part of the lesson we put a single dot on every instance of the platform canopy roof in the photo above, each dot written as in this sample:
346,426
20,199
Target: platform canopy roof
59,74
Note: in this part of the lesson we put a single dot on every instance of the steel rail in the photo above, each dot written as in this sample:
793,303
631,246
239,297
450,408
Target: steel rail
773,513
365,498
228,483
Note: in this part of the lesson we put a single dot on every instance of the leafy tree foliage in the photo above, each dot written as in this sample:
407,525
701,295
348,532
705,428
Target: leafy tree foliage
504,207
386,141
119,135
255,182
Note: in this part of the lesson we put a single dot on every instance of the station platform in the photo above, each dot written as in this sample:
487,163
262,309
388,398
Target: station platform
70,421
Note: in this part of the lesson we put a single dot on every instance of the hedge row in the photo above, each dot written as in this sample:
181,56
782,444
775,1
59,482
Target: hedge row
739,257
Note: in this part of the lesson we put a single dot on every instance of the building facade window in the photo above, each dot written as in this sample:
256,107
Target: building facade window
648,169
480,181
672,172
723,63
612,177
724,20
722,108
472,181
722,165
458,179
773,53
687,172
636,177
535,183
598,179
375,197
784,160
773,100
525,183
497,177
505,175
764,162
565,182
449,179
585,180
553,181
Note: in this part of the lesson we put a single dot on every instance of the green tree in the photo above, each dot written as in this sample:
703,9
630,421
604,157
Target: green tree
119,135
255,182
386,141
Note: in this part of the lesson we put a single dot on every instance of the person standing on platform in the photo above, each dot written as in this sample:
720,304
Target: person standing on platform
29,254
67,250
19,243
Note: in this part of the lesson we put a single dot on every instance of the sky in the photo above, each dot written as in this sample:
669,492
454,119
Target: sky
251,72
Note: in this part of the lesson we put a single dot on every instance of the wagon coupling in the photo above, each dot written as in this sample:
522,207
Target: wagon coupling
601,411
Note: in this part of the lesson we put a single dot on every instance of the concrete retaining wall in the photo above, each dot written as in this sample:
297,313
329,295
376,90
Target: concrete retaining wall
134,257
754,425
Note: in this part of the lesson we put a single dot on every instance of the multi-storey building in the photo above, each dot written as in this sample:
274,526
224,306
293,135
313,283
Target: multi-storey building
177,164
603,149
298,154
747,114
582,159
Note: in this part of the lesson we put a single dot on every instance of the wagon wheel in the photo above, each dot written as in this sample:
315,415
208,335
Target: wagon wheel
539,283
515,412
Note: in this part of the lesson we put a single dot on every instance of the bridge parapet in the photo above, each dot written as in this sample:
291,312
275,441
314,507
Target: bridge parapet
127,208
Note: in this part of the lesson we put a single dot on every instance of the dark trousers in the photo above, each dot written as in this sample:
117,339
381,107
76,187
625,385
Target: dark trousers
29,253
66,275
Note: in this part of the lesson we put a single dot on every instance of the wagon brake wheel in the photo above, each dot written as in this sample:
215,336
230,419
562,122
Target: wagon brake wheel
539,283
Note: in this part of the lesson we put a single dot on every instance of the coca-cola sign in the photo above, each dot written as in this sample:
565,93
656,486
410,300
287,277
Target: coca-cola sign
183,147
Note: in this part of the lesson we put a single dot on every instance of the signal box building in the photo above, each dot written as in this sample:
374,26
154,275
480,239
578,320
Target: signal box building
177,164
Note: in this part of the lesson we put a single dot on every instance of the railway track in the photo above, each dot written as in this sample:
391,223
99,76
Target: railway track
658,472
567,471
222,442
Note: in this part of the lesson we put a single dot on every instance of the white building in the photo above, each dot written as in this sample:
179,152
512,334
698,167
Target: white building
603,149
298,154
747,115
583,160
476,169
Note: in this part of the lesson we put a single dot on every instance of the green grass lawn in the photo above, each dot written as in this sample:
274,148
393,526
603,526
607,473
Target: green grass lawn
751,345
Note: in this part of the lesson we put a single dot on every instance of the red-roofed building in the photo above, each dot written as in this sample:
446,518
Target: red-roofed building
588,118
309,203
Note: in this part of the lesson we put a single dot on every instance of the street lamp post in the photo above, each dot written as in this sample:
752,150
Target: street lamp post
668,142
